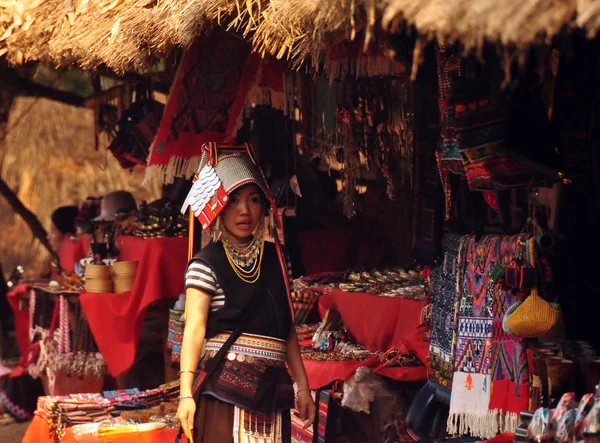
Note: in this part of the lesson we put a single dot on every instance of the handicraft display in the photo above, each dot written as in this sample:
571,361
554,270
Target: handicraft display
484,355
358,127
390,282
570,421
110,412
331,341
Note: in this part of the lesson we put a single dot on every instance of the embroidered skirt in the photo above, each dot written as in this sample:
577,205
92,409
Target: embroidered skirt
253,373
214,423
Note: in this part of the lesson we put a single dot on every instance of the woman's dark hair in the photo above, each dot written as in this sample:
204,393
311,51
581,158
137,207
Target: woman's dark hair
64,219
263,197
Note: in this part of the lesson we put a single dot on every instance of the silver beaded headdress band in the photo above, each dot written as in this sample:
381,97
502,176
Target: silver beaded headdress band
222,170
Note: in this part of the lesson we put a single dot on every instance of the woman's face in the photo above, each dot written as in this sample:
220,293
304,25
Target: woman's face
55,237
243,213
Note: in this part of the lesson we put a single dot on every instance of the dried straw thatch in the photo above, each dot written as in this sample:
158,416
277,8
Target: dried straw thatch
516,23
130,34
49,158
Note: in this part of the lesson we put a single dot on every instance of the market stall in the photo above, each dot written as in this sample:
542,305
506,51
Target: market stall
441,158
111,315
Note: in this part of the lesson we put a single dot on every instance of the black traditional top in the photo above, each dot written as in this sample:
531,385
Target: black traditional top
271,317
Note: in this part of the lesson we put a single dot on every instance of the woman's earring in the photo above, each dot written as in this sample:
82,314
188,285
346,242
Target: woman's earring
216,230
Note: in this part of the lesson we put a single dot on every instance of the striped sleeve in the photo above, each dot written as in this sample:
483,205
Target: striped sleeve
200,276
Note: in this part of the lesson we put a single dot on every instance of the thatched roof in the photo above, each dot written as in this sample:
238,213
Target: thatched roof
129,34
49,159
519,23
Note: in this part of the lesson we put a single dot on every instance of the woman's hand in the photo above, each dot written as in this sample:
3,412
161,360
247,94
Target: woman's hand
185,415
306,407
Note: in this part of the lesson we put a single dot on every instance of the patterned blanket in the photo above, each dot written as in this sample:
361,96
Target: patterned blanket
444,298
486,360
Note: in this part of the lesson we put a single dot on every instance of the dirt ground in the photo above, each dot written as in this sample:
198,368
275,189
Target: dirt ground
13,433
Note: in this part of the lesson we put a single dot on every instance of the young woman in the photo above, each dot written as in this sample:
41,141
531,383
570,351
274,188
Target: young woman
61,230
237,281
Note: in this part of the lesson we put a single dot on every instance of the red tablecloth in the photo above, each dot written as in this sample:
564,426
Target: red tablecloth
39,432
73,250
322,373
375,322
116,319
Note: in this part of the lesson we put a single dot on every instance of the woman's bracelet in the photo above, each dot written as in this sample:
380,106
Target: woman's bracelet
181,397
303,389
186,371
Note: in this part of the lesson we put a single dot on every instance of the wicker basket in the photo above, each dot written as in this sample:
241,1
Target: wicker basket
98,285
129,267
97,271
123,283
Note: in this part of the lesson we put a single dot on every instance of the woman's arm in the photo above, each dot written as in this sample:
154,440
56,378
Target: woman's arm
306,404
294,360
197,306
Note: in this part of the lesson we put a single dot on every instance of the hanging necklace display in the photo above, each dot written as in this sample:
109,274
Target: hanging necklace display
246,260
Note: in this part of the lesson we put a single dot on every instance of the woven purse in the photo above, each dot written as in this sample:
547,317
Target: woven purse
535,317
520,276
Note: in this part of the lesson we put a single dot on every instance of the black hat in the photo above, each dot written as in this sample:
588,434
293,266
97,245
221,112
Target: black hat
64,219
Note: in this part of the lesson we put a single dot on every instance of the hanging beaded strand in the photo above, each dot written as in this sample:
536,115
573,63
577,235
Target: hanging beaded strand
64,342
32,297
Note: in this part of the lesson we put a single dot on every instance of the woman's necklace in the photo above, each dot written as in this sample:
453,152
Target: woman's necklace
246,260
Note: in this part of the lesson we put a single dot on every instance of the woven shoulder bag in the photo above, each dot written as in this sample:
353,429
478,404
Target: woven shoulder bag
535,317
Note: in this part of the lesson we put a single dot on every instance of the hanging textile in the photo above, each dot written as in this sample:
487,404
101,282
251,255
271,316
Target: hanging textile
205,104
509,370
479,345
444,299
497,138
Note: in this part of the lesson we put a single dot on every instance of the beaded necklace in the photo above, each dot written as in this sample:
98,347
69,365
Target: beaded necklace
246,260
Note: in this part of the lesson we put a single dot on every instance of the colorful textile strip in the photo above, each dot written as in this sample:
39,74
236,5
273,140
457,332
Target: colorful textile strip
249,427
323,411
249,348
299,434
476,359
509,369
